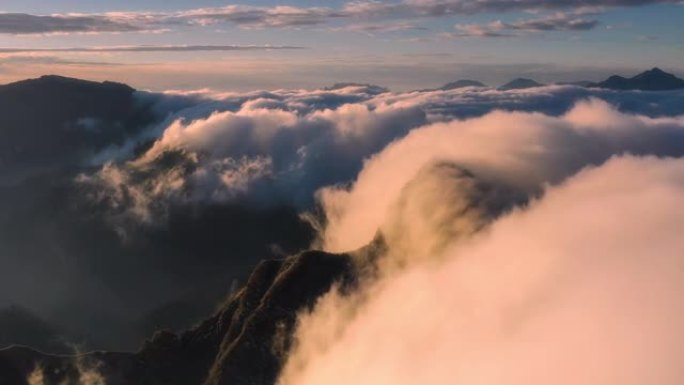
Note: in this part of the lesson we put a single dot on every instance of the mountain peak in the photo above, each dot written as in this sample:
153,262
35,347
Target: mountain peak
461,84
519,84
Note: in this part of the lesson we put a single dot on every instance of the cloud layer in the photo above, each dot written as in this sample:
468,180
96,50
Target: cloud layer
27,24
281,147
555,22
520,150
582,286
214,182
534,244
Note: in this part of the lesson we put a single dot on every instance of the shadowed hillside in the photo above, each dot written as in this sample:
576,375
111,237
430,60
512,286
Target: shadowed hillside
245,342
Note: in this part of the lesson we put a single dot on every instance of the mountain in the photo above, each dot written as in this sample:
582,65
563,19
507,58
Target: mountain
369,88
461,84
519,84
652,80
244,342
464,83
55,120
75,247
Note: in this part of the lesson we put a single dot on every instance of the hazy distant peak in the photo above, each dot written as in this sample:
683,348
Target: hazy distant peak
462,84
371,88
519,84
655,71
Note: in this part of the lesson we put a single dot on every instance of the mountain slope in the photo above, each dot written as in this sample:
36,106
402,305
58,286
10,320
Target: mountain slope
245,342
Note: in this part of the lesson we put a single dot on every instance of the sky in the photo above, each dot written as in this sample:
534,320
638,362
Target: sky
401,44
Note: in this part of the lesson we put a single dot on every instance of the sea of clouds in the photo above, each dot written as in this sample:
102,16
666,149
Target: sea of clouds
530,236
283,147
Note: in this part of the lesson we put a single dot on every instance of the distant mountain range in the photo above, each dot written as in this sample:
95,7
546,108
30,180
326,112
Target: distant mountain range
651,80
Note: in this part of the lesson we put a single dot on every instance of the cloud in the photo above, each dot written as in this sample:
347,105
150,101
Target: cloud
582,286
259,17
520,150
371,28
443,8
494,29
281,147
556,22
153,48
117,22
41,58
374,14
26,24
520,248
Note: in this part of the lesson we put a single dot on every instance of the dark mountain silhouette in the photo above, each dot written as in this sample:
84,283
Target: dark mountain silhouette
245,342
519,84
461,84
166,274
652,80
75,249
20,326
55,119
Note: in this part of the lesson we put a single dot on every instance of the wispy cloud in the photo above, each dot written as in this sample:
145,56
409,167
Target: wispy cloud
357,14
259,17
118,22
556,22
154,48
381,27
437,8
26,24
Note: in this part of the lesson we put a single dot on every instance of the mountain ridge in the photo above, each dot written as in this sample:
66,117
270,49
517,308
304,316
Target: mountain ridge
654,79
245,342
